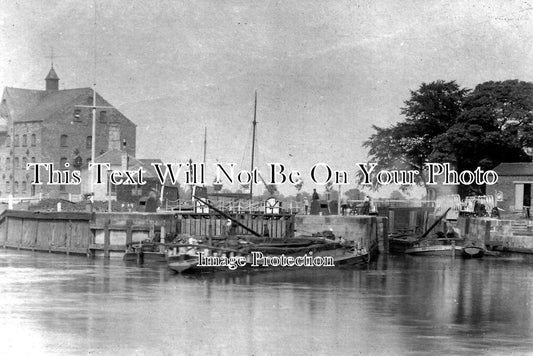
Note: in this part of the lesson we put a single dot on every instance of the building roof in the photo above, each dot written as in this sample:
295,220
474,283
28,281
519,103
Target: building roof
515,169
114,158
147,165
24,105
52,74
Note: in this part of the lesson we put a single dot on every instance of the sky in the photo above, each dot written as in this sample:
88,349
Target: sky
324,71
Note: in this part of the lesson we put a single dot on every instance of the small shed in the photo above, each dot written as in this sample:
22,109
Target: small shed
512,191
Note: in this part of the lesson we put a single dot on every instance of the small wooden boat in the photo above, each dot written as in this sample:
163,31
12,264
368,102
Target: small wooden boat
341,255
473,252
145,251
398,243
436,247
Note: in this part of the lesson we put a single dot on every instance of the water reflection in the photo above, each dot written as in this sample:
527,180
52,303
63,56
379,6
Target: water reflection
56,304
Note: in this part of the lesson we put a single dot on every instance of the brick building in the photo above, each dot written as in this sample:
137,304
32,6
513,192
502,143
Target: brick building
54,126
136,195
513,189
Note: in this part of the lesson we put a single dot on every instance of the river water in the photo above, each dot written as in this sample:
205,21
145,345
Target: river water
53,304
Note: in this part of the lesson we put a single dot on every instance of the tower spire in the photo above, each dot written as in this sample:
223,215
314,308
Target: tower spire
52,80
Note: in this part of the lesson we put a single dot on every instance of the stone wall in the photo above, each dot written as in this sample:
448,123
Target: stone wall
507,235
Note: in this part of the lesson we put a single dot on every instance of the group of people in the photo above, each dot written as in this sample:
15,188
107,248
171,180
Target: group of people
314,197
368,207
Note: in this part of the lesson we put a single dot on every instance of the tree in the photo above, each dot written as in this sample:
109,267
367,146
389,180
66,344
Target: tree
354,194
494,127
272,189
469,129
396,195
299,185
430,111
217,187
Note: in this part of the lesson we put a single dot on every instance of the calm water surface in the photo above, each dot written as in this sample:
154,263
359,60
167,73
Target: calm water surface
68,305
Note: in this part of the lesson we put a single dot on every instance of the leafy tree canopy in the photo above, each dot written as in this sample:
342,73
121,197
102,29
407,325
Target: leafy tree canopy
445,123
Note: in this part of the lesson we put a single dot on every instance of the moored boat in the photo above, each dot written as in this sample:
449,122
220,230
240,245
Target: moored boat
473,252
267,257
435,247
404,242
145,251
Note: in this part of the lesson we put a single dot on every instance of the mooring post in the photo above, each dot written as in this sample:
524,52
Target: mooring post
385,236
140,257
151,231
209,233
453,248
162,236
487,233
69,237
7,230
106,238
129,234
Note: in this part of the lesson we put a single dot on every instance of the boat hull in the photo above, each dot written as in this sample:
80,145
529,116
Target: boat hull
342,258
473,252
400,245
435,250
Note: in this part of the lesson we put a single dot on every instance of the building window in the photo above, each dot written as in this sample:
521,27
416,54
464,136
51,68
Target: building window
77,115
136,191
103,116
8,141
24,187
17,162
62,163
17,140
8,164
63,141
33,140
24,140
89,142
16,187
8,187
24,162
62,188
33,160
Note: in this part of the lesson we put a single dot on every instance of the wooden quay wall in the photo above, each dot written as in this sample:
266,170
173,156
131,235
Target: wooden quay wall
92,233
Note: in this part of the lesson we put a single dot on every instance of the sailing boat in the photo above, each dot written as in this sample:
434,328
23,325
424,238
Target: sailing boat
341,252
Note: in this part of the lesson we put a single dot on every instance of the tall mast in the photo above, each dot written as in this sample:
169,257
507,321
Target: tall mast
93,108
254,123
205,141
205,145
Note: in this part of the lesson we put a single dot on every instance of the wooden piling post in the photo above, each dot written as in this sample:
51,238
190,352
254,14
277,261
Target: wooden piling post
7,231
129,234
385,236
106,238
487,233
151,231
68,237
453,248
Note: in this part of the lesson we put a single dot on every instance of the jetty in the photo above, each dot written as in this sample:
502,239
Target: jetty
96,234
